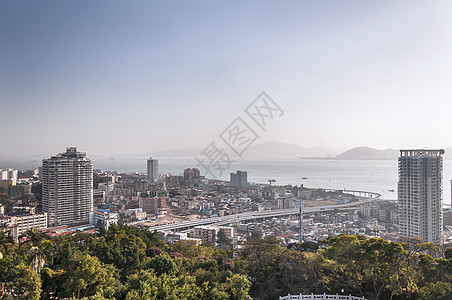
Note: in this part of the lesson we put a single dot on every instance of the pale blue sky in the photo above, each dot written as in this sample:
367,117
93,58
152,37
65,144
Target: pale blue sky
142,76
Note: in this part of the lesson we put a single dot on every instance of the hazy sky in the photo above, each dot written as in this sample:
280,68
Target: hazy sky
141,76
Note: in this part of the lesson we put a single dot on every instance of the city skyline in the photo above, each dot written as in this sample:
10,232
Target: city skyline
346,74
226,149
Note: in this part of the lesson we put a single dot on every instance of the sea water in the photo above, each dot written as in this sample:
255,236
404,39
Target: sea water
378,176
365,175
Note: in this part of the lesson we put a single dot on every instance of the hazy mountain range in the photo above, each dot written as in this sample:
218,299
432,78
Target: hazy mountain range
275,149
366,153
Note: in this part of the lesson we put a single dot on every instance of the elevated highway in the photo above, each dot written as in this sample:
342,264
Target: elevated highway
256,215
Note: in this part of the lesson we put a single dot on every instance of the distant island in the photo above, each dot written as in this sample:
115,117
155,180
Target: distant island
367,153
282,150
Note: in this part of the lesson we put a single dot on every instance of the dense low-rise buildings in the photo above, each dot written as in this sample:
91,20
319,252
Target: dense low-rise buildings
149,205
136,214
17,225
21,223
132,199
210,234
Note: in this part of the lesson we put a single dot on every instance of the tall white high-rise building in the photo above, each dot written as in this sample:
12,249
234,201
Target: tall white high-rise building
67,188
420,194
9,174
153,169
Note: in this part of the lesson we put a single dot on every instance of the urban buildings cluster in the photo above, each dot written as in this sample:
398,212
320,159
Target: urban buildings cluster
68,195
9,174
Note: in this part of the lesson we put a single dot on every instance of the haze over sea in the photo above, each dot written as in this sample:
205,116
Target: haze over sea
367,175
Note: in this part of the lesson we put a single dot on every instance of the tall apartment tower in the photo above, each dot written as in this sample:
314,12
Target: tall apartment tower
239,179
67,188
420,196
153,169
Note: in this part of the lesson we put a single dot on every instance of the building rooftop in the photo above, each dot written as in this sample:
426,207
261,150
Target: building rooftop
422,152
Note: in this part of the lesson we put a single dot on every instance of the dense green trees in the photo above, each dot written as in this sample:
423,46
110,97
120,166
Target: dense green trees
222,239
435,276
147,285
262,258
114,265
19,277
40,254
163,264
367,267
373,268
132,263
6,242
126,252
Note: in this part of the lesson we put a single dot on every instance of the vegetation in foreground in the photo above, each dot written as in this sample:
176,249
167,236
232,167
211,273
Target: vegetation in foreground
132,263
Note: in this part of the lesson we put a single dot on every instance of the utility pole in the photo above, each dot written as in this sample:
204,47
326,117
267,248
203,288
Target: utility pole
235,238
376,230
300,223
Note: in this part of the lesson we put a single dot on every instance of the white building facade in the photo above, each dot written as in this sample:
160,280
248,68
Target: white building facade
420,195
9,174
67,188
210,233
105,218
20,224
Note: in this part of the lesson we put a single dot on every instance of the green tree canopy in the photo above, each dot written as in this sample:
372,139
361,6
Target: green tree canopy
162,264
147,285
84,275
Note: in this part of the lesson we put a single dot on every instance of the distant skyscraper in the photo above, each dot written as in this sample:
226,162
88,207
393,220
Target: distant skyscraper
153,169
420,194
191,174
239,180
67,188
196,173
9,174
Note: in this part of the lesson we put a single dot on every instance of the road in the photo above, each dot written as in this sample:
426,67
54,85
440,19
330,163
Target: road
218,221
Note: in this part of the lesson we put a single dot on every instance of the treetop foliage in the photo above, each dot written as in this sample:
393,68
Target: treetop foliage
132,263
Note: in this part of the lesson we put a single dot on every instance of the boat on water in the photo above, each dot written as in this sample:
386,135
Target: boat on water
304,178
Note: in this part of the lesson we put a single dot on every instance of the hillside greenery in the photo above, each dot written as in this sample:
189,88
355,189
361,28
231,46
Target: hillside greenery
132,263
